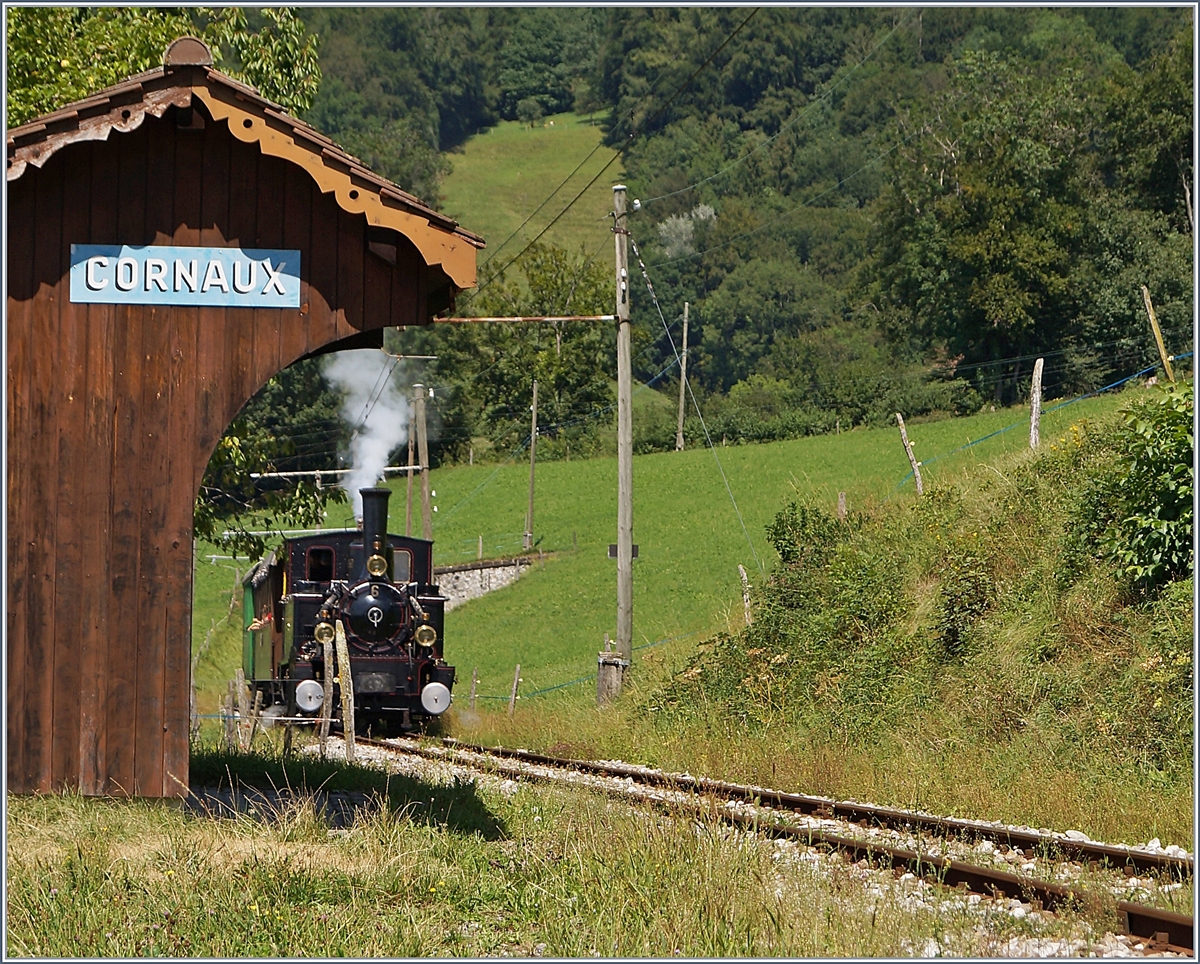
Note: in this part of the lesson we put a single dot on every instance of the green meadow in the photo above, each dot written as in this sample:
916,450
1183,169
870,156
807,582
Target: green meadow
686,583
505,172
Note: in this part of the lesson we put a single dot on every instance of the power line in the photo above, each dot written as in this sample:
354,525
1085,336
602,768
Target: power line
662,73
632,136
696,405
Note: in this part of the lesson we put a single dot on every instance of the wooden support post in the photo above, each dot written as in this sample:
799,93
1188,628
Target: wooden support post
412,430
1158,338
1035,405
470,455
532,464
243,703
474,685
912,459
230,732
327,702
682,380
512,700
346,685
624,435
419,392
481,547
745,593
841,509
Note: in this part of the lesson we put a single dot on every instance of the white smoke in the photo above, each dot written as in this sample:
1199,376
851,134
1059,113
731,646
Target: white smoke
375,408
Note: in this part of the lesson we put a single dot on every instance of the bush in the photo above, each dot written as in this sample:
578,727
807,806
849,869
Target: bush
1151,539
1137,512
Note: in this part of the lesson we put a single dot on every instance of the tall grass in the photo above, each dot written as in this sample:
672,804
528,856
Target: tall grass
567,874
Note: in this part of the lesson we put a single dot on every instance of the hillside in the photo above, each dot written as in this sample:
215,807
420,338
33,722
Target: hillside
501,175
686,580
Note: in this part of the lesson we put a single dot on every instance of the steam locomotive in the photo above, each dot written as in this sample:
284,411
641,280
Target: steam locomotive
375,588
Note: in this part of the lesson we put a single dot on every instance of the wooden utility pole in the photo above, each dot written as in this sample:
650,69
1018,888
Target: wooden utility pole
423,455
412,430
682,380
1035,405
624,435
532,463
1162,349
912,459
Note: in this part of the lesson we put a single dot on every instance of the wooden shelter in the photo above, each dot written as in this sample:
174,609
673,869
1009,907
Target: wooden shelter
114,409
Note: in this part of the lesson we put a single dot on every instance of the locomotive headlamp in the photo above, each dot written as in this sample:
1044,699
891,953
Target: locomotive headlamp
376,565
425,635
323,633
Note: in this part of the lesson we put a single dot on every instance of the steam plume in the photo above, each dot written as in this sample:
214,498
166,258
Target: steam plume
375,409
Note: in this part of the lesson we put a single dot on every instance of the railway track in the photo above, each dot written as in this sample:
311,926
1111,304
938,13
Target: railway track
768,811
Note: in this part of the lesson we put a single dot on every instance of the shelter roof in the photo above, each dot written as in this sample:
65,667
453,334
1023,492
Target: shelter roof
253,119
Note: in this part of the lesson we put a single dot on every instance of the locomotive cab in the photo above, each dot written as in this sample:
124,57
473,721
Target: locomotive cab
373,588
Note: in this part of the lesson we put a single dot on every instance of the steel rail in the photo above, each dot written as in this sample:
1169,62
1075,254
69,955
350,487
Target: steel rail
1162,930
1115,855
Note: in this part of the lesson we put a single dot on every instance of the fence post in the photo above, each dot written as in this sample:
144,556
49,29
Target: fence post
255,715
912,459
1035,405
1162,349
841,509
230,736
243,706
512,700
346,684
745,592
474,685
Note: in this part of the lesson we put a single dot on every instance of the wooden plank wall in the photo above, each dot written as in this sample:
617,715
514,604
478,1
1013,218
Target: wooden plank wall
113,413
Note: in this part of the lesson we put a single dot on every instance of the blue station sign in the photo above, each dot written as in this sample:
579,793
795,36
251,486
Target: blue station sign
111,274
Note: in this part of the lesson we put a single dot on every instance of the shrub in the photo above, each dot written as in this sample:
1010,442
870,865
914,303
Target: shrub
1151,539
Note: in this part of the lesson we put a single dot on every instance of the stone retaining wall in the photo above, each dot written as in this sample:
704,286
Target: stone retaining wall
474,579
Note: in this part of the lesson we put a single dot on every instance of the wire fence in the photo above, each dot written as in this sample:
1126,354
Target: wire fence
588,676
1025,421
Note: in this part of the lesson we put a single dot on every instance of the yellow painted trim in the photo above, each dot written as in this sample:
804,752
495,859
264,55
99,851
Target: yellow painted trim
453,253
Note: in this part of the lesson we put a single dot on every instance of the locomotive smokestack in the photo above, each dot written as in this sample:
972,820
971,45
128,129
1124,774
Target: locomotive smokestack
374,521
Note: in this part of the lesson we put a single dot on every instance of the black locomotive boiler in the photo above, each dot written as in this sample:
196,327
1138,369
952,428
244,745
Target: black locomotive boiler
375,588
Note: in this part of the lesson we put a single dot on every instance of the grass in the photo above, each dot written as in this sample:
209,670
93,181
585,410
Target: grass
690,540
686,583
686,587
503,174
565,874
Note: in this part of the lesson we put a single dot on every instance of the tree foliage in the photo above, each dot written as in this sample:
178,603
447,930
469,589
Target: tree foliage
56,55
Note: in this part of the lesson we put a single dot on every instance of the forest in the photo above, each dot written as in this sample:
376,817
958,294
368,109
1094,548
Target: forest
868,210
